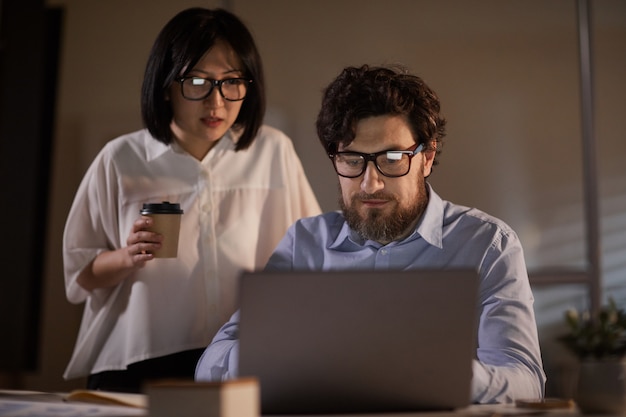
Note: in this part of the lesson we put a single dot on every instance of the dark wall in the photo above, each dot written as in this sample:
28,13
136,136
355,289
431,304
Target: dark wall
29,47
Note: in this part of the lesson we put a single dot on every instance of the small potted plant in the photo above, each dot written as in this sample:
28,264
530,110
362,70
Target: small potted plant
599,341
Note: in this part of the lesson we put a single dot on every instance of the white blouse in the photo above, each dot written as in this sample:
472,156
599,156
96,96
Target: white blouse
237,206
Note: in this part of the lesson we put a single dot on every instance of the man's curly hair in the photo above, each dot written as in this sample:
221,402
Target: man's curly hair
359,93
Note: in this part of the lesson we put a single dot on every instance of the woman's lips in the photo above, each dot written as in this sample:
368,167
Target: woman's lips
212,121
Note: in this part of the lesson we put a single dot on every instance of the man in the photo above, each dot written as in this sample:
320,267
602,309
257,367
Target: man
382,130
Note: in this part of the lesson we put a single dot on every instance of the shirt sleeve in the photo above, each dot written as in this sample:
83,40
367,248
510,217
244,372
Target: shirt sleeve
508,364
219,361
91,226
282,258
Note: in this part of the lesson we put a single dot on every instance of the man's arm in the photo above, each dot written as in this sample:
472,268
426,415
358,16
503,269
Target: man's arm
220,359
508,365
493,384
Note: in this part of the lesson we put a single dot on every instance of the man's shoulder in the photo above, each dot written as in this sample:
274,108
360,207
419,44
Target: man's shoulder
455,214
328,219
316,232
325,224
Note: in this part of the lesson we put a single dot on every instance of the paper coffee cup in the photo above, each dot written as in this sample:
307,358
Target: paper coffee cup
165,221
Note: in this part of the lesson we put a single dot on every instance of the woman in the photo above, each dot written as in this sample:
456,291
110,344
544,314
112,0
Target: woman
239,183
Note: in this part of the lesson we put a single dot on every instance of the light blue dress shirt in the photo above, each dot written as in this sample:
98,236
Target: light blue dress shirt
508,363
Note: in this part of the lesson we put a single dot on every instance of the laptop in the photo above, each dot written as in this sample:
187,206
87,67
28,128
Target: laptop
359,341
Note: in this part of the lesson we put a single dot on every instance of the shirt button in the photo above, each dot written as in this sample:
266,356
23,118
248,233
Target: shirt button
383,252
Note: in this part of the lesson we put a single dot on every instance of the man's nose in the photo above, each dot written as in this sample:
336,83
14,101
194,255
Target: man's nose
372,179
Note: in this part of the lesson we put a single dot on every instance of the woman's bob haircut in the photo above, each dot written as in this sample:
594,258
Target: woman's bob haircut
178,47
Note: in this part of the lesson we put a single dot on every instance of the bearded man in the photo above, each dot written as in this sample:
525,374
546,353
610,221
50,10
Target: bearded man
381,127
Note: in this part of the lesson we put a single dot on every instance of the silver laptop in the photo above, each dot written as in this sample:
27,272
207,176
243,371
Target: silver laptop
359,341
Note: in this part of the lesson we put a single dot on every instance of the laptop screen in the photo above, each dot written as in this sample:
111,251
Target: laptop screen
359,341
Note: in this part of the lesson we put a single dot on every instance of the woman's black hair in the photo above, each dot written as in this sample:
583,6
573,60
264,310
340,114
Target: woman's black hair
179,46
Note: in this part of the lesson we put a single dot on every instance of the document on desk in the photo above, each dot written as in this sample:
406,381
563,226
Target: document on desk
108,398
16,408
26,404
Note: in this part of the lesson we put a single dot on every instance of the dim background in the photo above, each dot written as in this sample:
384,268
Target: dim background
508,76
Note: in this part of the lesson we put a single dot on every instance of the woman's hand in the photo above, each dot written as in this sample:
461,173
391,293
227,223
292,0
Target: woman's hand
141,242
109,268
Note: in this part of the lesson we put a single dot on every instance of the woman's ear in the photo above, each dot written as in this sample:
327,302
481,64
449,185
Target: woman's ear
167,94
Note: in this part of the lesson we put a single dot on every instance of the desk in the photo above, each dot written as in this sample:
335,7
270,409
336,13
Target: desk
42,404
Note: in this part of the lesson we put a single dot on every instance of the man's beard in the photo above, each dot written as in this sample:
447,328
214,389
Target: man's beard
380,227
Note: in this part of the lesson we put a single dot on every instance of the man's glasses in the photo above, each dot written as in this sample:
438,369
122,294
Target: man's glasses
389,163
198,88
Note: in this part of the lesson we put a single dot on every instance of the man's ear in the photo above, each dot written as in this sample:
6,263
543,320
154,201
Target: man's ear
429,158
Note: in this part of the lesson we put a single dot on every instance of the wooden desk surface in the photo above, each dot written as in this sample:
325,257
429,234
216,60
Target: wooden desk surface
44,404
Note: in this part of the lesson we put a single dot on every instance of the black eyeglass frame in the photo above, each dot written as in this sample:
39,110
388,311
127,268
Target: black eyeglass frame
214,83
367,157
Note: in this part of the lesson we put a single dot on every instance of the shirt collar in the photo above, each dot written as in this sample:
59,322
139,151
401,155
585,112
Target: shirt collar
155,148
429,227
349,237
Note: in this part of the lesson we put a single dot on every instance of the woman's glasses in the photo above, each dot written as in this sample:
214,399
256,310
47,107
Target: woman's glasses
198,88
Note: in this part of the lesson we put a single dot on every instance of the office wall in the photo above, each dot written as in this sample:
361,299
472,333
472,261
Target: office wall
26,131
506,72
